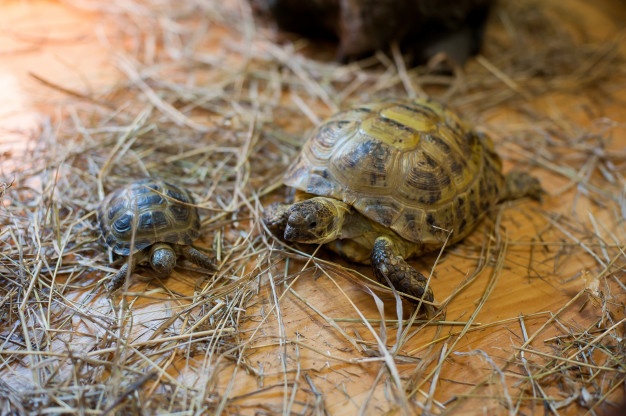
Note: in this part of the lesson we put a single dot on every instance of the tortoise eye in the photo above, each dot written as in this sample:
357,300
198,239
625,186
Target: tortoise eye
311,220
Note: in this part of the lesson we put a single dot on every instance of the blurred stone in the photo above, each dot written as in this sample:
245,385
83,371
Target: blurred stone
422,28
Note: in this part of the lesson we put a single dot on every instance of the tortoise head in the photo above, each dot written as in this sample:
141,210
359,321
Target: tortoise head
317,220
162,259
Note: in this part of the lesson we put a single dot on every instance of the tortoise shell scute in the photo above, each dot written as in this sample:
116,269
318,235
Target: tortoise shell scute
116,205
123,223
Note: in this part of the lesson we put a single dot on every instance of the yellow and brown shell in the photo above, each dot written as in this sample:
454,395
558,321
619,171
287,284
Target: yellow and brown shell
412,166
146,212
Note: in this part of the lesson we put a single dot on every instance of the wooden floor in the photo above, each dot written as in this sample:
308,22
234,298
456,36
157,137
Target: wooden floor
308,346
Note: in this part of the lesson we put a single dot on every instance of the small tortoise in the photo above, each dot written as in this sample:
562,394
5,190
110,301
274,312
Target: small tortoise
382,182
144,220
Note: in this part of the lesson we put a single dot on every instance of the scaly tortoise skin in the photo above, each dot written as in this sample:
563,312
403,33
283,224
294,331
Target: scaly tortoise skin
383,182
143,220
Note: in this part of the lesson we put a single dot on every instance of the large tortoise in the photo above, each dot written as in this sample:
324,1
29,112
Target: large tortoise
151,221
383,182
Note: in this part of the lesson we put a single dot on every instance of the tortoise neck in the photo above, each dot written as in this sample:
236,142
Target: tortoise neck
354,223
342,214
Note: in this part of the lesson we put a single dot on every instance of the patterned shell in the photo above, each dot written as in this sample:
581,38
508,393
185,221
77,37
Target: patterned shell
413,166
155,216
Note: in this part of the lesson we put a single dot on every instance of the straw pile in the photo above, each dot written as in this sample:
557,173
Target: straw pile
211,99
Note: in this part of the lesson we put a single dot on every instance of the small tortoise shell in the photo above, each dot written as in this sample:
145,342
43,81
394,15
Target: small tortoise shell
149,208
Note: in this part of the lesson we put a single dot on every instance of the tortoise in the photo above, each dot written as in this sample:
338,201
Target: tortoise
383,182
151,221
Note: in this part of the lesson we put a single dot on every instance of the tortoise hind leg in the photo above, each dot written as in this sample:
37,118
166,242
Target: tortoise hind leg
197,257
389,267
521,184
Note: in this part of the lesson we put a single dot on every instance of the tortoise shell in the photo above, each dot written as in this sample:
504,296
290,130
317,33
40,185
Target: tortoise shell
148,211
412,166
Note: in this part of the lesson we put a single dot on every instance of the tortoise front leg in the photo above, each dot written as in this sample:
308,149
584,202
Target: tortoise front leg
197,257
118,279
389,267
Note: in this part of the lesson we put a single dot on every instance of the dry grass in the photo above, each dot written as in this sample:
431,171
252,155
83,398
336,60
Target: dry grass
225,122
